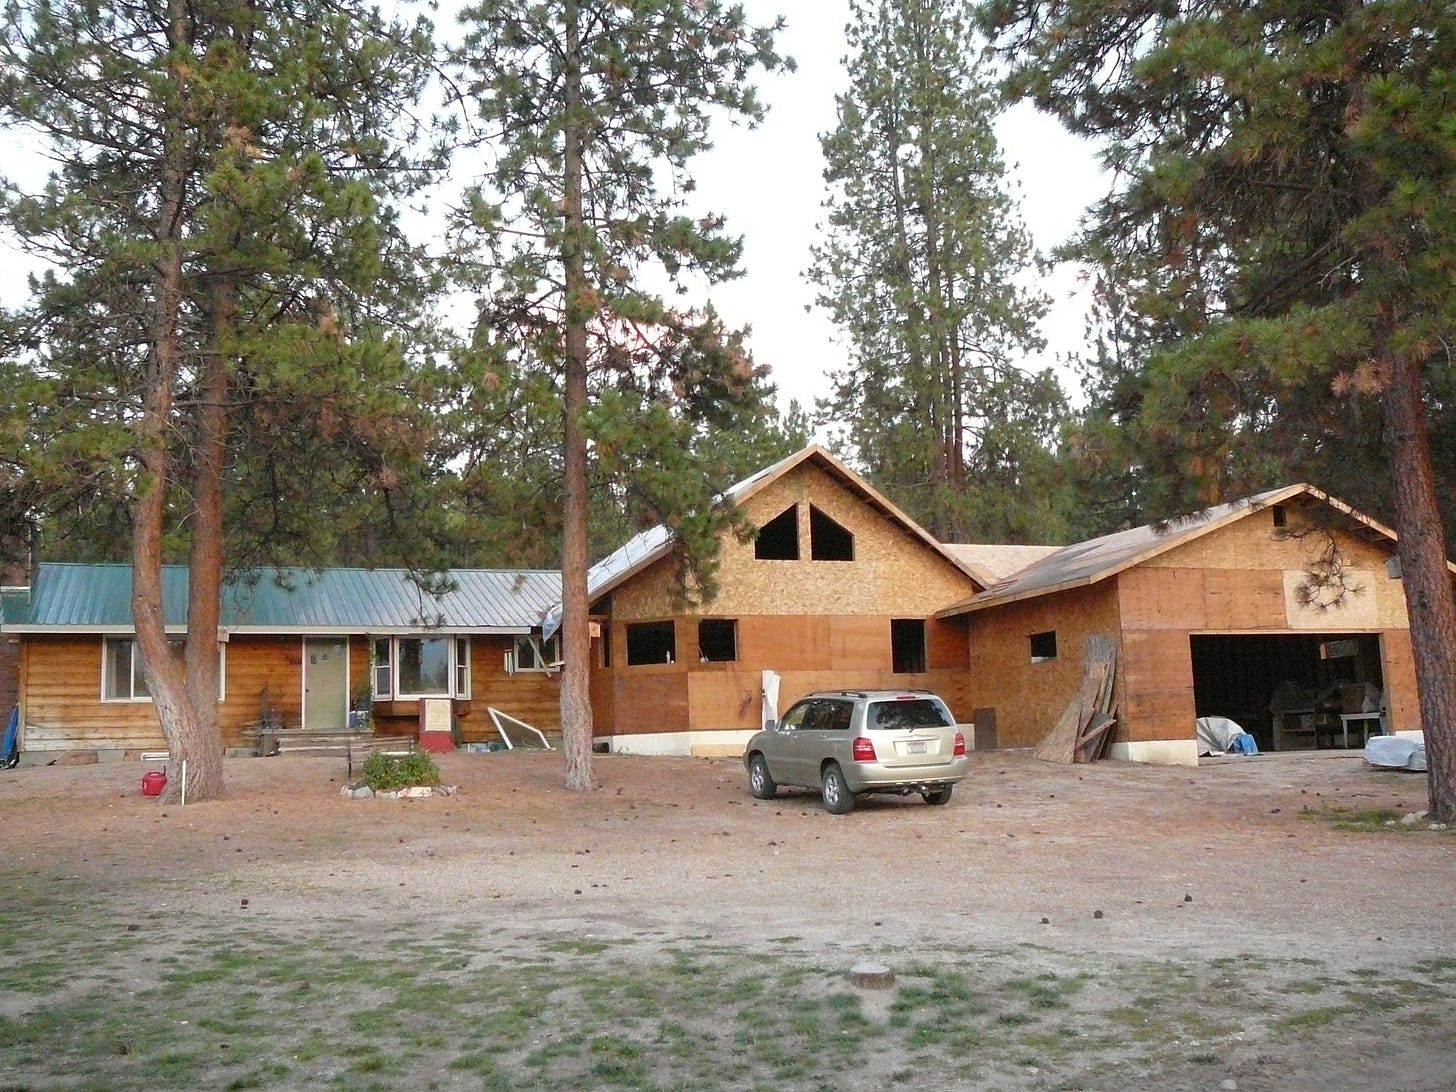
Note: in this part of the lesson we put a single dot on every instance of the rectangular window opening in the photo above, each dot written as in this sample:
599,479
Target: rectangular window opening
1043,646
121,668
907,645
420,667
535,654
718,640
651,643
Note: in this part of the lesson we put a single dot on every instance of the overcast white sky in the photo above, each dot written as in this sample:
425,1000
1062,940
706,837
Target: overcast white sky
769,184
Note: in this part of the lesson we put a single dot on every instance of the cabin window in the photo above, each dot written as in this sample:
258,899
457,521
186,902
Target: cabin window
121,669
462,667
907,645
651,643
778,539
718,640
535,653
1043,646
1281,517
422,667
383,668
828,541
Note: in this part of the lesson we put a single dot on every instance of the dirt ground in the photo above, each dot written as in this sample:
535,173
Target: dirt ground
1111,861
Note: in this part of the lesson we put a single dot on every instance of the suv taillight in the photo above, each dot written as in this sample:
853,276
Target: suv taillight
960,744
864,749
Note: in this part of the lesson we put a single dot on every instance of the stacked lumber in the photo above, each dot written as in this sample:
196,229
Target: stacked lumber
1083,730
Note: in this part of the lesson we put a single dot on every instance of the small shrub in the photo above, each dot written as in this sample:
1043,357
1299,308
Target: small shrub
387,773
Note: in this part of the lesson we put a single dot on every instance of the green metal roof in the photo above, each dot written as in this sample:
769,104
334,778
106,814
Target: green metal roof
97,598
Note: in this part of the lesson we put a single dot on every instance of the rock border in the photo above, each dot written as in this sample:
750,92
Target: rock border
409,792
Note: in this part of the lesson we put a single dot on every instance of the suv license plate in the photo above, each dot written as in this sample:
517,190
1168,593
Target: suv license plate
916,747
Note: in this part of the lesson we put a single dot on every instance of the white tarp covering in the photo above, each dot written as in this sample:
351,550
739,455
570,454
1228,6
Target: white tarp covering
1216,735
1396,752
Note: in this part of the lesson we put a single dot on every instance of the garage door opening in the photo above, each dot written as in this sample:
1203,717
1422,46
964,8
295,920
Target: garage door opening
1292,691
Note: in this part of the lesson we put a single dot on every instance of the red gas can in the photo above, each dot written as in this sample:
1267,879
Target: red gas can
153,782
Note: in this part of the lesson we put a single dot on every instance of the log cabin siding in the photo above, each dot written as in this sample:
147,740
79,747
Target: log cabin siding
63,708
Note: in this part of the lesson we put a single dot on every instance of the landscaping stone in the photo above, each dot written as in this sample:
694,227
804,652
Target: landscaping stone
413,792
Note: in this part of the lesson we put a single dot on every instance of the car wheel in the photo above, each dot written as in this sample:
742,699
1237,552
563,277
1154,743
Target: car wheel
838,800
938,796
759,782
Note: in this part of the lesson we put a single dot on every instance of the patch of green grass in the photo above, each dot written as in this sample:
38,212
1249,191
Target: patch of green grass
1358,820
1316,1018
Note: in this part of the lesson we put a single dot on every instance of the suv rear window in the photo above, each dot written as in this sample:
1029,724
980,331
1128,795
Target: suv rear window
917,713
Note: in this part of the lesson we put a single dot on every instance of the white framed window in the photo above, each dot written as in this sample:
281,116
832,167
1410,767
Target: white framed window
382,664
421,667
462,667
535,653
121,669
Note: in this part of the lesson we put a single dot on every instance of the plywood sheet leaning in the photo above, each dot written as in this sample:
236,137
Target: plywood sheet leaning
1081,732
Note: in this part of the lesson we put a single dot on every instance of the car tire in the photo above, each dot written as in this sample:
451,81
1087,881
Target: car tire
838,800
938,796
760,784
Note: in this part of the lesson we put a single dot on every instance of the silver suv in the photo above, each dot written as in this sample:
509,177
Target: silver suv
845,742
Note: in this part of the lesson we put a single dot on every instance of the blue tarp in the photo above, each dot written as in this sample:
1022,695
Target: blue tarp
10,752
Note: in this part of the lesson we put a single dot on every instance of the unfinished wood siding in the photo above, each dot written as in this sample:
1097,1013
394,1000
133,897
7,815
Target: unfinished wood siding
61,694
1029,697
893,575
1398,666
809,653
818,624
1244,576
1155,692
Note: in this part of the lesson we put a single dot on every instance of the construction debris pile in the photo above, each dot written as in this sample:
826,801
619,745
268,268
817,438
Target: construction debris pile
1084,729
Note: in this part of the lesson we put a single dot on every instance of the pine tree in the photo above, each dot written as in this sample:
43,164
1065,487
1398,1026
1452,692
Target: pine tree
590,112
919,269
210,352
1285,231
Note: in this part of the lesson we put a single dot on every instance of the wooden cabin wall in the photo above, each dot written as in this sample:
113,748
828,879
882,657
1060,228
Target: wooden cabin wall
61,686
530,696
819,624
1027,698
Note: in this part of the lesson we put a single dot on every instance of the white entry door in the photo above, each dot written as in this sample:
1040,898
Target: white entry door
325,684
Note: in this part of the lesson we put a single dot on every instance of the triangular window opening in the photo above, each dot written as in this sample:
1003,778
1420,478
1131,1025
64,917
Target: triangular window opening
828,541
778,539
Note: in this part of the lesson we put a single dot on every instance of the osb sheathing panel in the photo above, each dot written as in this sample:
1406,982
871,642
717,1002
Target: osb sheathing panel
651,703
1399,670
1254,543
893,574
1273,564
1028,698
1198,587
1156,695
734,700
809,653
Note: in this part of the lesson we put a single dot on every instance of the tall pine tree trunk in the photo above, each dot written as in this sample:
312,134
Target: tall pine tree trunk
187,738
1427,580
204,604
576,713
